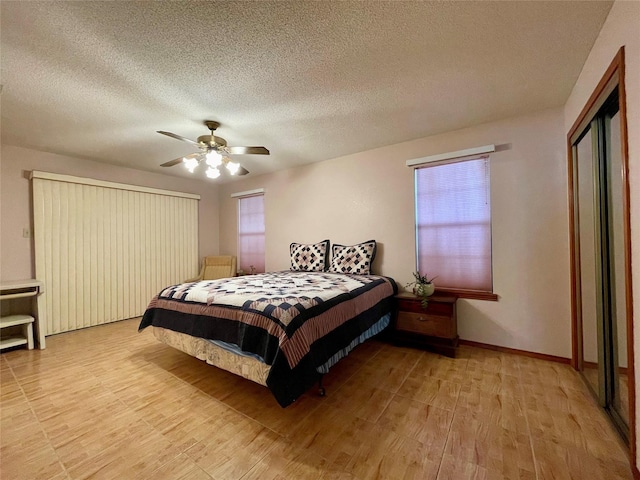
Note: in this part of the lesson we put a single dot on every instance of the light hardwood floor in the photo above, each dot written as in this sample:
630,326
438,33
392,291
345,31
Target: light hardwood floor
108,402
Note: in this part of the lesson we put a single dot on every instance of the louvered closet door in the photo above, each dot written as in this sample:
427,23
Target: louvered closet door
104,249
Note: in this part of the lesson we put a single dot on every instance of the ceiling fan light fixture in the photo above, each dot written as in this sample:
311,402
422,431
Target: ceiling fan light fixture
190,164
233,167
213,172
214,151
214,159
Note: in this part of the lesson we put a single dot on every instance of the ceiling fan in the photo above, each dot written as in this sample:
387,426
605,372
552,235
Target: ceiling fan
215,152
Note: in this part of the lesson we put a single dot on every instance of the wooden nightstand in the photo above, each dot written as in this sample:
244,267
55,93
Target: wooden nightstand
434,328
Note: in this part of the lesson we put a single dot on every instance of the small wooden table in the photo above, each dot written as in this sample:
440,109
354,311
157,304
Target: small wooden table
434,328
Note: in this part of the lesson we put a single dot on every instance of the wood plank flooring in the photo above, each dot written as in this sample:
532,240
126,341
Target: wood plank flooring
111,403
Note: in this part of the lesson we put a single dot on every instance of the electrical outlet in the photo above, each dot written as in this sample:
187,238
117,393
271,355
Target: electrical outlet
26,233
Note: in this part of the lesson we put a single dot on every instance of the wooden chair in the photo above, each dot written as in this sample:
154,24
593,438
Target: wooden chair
220,266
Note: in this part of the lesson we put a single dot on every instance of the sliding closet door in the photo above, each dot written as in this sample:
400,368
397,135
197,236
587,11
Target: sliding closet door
601,272
588,265
616,249
103,249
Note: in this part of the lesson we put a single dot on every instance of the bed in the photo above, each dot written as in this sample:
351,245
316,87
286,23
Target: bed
282,329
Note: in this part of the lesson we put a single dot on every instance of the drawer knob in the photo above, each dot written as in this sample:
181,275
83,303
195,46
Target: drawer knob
423,319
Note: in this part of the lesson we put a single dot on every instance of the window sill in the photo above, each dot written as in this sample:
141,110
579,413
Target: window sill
471,294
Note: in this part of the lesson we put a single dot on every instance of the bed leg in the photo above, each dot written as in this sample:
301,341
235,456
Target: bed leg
321,391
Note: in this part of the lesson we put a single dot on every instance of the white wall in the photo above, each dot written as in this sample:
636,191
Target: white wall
622,27
16,253
369,195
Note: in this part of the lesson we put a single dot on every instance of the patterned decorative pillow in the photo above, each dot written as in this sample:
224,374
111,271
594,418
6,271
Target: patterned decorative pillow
353,258
309,258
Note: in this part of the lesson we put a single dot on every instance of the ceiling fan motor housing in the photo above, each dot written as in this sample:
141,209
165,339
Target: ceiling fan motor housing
212,141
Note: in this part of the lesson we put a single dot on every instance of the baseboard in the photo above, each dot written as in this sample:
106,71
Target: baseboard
515,351
623,370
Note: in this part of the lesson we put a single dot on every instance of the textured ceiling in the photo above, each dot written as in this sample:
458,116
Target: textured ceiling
308,80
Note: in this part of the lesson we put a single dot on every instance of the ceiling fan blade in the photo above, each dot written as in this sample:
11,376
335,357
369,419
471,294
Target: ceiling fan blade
176,161
178,137
172,162
248,150
242,171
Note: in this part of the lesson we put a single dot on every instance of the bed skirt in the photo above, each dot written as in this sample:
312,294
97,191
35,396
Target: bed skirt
247,367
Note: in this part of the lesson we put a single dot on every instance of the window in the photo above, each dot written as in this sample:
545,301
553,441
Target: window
251,233
453,224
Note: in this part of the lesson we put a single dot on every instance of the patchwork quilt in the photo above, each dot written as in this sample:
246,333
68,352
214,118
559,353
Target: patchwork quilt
296,321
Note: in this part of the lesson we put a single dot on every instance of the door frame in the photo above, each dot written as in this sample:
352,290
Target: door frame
612,78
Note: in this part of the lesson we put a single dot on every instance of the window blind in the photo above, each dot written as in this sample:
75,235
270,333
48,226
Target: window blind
104,249
453,224
251,248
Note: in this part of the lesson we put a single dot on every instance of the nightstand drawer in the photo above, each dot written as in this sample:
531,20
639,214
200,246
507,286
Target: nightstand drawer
425,324
433,307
